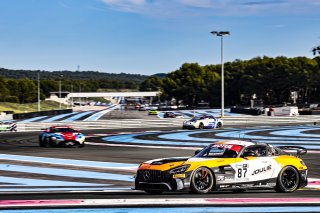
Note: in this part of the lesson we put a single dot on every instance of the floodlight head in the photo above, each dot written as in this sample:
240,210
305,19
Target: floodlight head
220,33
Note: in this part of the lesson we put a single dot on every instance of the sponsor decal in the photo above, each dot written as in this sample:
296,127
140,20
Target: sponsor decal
220,178
223,146
271,184
179,175
242,165
246,185
261,170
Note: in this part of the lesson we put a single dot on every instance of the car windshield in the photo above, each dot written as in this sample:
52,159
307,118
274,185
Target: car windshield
220,151
195,118
201,117
62,130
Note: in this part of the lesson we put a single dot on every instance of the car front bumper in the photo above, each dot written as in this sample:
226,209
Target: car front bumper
170,185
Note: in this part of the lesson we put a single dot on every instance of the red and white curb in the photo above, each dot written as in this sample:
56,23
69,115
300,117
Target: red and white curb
313,183
157,202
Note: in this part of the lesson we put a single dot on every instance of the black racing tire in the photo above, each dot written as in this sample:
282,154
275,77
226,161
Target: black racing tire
288,180
45,142
219,125
202,181
201,126
81,145
154,192
40,142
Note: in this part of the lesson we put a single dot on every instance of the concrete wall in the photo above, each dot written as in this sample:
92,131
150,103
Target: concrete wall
4,116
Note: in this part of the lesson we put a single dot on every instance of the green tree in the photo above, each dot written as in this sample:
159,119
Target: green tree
190,84
4,92
152,83
28,91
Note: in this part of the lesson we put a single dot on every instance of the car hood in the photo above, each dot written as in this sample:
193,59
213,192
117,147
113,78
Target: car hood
163,164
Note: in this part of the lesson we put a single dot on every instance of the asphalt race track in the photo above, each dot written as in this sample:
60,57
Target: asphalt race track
104,168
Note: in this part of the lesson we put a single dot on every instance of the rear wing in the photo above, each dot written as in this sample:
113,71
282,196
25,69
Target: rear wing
298,150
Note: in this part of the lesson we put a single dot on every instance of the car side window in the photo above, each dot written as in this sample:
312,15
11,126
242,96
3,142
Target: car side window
257,151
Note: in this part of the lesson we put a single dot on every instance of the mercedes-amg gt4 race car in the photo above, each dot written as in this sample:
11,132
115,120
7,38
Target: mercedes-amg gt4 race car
227,165
203,122
61,136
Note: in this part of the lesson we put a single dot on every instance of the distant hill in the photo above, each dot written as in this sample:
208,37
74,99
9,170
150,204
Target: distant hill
161,75
76,75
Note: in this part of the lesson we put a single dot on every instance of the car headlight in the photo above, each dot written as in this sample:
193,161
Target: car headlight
180,169
302,163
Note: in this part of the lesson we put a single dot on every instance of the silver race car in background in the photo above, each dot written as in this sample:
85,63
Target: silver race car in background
203,122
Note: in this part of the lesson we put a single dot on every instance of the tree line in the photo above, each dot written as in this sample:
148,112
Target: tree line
75,75
25,90
268,80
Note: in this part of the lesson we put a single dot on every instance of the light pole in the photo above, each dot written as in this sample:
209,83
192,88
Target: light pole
159,96
60,91
39,91
221,34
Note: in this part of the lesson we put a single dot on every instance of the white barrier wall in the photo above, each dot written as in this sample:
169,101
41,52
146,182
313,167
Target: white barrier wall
287,110
4,116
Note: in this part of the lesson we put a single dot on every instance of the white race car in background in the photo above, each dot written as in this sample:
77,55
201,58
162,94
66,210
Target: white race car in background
203,122
8,126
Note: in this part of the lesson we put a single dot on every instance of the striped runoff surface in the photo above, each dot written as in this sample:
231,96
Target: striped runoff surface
306,136
30,173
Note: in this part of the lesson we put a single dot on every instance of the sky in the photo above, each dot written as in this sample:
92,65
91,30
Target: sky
151,36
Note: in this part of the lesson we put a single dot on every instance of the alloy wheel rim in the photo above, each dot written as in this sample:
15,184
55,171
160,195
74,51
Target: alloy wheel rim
289,179
202,180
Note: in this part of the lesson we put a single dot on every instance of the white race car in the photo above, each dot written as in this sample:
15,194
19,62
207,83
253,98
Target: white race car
8,126
203,122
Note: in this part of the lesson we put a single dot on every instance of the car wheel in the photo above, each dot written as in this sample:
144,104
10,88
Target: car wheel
40,142
219,125
45,142
202,181
81,145
288,180
201,126
153,192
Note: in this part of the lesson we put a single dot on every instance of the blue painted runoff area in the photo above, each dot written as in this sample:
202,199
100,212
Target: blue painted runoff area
244,134
173,210
60,161
77,116
65,172
96,116
131,139
13,181
32,119
74,188
54,118
185,138
297,133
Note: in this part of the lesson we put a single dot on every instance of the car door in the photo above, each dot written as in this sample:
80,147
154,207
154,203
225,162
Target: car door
256,168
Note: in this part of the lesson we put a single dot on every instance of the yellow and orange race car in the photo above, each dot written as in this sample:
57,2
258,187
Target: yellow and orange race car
227,165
